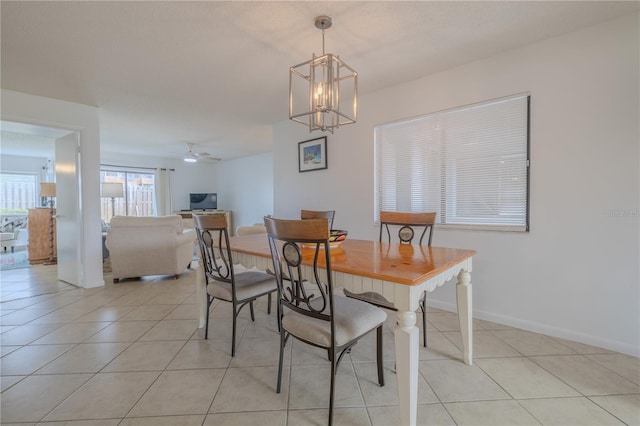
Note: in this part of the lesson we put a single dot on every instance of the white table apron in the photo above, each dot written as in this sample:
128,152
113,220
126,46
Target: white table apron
406,300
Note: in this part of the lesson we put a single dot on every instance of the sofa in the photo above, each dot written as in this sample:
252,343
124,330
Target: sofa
152,245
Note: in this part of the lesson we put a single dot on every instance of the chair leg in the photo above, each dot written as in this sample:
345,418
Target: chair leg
379,356
333,384
253,316
269,304
233,336
206,324
282,343
423,306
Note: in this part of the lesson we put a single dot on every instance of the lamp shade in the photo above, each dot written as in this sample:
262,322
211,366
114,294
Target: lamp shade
47,189
112,190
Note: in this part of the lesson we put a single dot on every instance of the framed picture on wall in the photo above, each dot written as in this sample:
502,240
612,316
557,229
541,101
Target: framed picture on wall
312,154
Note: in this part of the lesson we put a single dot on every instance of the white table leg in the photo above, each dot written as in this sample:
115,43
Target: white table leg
407,366
465,316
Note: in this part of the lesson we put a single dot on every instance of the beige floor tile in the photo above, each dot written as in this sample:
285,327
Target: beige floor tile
145,356
221,328
485,345
310,387
257,352
374,394
168,298
341,416
625,365
179,392
71,333
28,359
523,378
585,375
211,353
259,382
490,325
568,411
532,344
26,334
195,420
624,407
149,312
32,398
5,328
5,350
7,381
122,331
62,316
490,413
581,348
106,313
454,381
439,347
103,422
22,316
184,311
303,353
427,415
171,330
365,350
104,396
84,358
264,418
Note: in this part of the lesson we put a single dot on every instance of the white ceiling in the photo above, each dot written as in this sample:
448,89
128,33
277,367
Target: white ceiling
216,73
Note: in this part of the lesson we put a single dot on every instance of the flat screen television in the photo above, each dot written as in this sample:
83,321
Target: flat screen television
208,201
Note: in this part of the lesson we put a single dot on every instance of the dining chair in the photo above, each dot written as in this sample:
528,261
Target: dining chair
224,280
406,224
319,214
309,310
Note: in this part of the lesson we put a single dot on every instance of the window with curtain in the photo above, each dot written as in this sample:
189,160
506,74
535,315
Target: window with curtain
138,197
470,165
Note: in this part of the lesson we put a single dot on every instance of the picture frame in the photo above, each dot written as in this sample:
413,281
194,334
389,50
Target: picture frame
312,154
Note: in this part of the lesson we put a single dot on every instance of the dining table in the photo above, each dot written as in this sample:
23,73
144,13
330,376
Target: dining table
400,273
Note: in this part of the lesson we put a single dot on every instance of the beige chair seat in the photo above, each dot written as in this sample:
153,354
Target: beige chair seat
352,318
249,284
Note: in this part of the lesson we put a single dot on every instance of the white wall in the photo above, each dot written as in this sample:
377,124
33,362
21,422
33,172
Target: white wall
24,164
24,108
575,274
245,186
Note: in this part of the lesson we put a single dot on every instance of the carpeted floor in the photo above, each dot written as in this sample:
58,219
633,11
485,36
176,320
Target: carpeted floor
19,259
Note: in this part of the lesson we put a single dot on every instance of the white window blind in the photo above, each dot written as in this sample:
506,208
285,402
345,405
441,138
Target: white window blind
469,165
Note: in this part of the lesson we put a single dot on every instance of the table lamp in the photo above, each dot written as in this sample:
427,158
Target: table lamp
112,190
48,189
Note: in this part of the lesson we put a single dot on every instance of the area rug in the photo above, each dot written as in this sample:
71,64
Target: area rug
15,260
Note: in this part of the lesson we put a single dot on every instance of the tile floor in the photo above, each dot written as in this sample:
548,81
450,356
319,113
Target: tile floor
131,354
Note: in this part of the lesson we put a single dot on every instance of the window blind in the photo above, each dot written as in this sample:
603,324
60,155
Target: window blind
470,165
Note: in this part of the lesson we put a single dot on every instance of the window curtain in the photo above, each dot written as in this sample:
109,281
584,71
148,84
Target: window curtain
163,197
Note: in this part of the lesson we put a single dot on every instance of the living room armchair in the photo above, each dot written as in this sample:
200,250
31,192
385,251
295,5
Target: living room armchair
140,246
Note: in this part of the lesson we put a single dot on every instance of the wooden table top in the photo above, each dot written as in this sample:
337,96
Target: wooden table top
400,263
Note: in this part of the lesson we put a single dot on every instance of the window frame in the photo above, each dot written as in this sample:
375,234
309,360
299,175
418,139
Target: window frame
412,134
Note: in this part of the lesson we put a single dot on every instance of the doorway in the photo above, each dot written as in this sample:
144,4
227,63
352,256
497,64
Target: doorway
29,146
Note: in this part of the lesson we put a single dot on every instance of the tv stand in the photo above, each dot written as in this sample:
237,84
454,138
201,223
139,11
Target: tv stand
187,217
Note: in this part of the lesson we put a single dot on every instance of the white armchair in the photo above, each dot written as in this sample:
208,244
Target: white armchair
140,246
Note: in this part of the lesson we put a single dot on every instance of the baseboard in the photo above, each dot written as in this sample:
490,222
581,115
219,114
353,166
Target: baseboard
536,327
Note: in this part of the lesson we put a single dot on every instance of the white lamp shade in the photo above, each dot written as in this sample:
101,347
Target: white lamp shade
47,189
112,190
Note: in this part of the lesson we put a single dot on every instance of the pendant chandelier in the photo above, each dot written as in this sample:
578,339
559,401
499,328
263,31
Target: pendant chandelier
323,92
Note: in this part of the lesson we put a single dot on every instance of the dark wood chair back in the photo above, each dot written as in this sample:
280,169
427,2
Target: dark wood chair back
407,224
319,214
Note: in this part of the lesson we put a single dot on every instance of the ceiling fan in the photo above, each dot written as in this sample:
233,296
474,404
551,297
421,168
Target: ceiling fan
192,156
